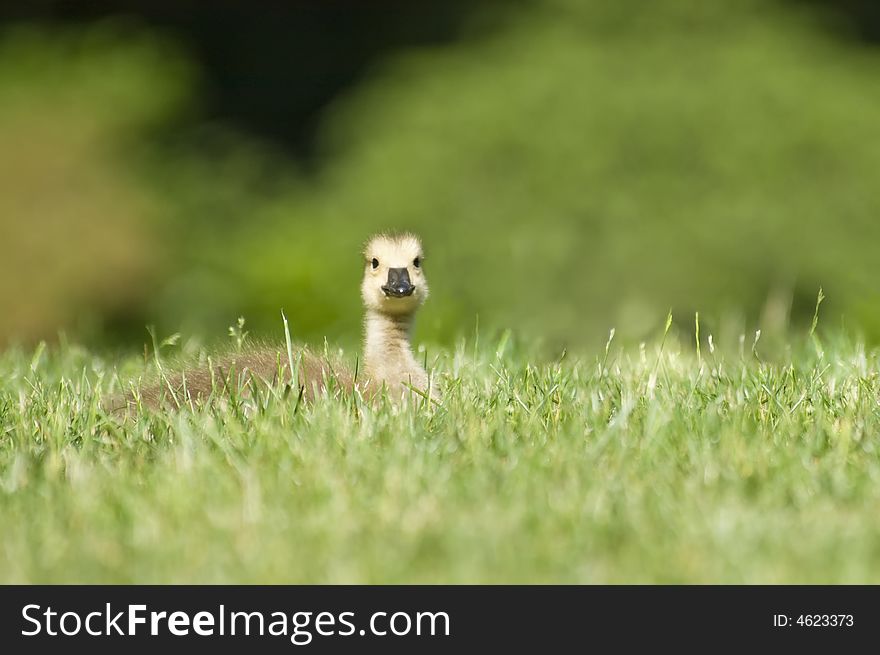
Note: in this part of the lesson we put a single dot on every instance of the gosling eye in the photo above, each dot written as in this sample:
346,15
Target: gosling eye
375,263
417,262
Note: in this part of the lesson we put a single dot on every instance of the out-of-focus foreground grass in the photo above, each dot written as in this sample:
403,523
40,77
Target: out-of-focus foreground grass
659,465
584,166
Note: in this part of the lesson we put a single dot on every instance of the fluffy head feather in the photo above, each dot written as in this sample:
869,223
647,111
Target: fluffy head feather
393,251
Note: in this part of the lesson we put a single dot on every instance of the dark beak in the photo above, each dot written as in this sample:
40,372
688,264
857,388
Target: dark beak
398,285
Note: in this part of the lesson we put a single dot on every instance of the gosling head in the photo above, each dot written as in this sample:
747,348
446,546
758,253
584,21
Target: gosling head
394,280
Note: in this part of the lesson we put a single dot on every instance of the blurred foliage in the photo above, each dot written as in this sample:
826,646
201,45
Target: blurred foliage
77,224
589,165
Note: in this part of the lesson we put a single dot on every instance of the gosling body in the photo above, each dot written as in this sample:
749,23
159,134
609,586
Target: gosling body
393,289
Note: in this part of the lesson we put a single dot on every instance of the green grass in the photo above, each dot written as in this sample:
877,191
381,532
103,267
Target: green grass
639,465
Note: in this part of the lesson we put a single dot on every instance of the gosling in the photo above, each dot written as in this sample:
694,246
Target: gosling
394,287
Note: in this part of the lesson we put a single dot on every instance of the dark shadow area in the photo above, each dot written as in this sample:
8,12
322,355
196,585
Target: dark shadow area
857,18
273,70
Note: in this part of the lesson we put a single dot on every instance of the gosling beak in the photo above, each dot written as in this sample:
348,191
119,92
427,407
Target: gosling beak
398,285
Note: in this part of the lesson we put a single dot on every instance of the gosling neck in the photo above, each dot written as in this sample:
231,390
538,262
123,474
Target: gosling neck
388,356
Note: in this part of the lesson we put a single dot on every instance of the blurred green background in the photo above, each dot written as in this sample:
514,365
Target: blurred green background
573,165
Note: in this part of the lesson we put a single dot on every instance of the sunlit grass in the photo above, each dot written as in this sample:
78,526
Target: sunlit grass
637,465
